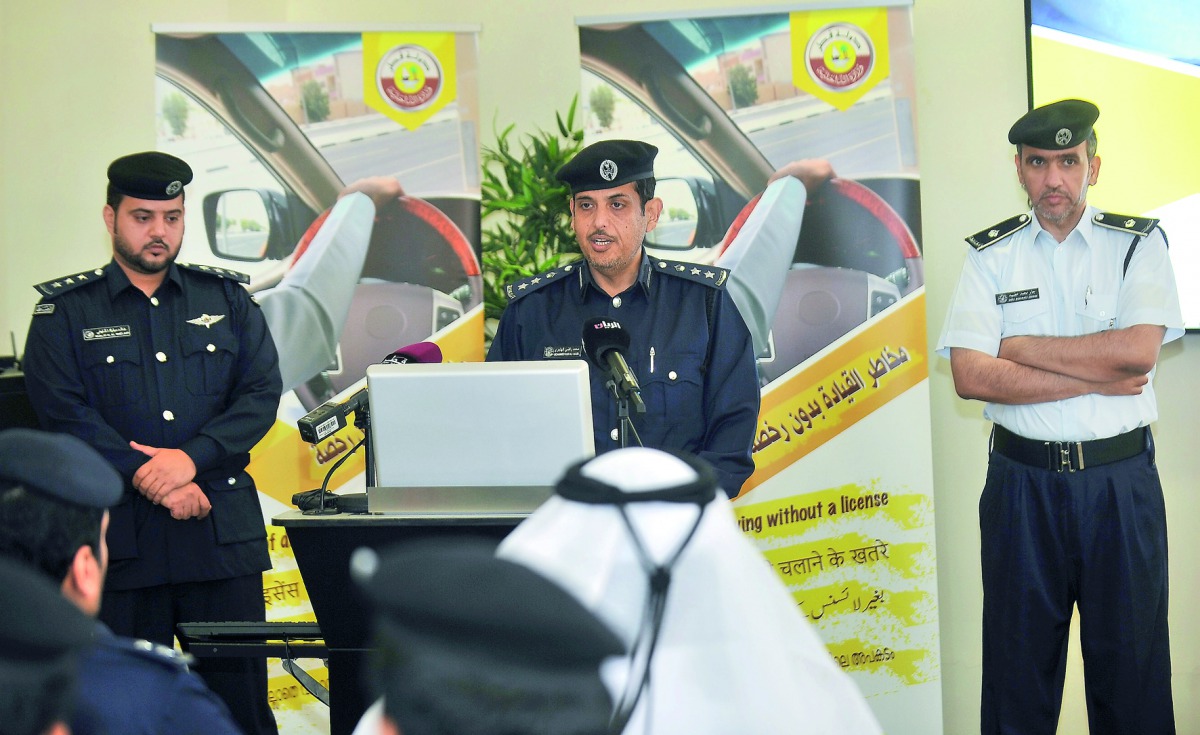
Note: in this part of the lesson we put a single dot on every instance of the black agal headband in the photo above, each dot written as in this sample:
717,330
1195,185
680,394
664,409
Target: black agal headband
583,489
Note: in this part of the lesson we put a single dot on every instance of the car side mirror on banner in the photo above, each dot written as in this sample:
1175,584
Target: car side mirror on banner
244,224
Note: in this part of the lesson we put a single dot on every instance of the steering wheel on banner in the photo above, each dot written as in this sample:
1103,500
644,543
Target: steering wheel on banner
855,257
420,274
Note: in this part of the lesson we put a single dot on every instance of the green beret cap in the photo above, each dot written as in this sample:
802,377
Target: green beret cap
1056,126
58,466
149,175
608,164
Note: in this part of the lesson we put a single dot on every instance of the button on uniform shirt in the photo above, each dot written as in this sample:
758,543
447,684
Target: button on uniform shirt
1030,284
192,367
700,388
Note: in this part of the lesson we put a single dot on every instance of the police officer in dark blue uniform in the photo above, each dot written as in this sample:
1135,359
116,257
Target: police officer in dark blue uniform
169,371
41,635
55,492
689,347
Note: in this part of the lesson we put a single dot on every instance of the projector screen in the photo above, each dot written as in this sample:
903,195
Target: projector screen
1139,61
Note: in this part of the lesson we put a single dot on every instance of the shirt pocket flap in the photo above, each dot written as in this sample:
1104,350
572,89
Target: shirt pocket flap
236,513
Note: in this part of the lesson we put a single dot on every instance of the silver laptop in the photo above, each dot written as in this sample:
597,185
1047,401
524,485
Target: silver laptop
475,438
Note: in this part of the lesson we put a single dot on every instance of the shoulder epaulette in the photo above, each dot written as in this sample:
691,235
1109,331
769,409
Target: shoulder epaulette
517,289
159,653
1125,223
213,270
998,231
61,285
709,275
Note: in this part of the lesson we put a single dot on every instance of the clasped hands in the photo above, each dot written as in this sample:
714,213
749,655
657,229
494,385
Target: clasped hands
167,480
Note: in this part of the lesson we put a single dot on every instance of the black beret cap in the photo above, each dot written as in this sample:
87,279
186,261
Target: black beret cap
39,628
1056,126
476,644
59,466
149,175
608,164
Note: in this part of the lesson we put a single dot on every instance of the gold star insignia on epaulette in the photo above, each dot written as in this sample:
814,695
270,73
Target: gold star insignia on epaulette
206,320
535,281
523,286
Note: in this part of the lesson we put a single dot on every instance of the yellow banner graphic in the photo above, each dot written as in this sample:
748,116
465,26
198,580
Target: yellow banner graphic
828,395
859,561
409,76
285,693
839,55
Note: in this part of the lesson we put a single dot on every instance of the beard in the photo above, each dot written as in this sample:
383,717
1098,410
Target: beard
1064,214
138,259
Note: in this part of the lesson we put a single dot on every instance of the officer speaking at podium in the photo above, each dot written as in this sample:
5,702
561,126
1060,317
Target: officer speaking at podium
688,347
169,371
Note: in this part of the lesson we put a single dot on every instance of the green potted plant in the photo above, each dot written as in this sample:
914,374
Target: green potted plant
526,215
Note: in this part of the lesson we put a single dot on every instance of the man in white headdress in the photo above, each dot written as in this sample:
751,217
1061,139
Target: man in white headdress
643,540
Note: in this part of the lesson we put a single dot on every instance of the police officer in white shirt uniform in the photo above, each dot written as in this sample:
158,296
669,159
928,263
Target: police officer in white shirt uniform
1056,324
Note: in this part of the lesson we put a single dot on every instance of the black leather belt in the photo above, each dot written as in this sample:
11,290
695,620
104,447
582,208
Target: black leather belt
1068,456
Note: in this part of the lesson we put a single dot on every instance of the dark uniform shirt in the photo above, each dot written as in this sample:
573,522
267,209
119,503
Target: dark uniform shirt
689,348
137,688
194,368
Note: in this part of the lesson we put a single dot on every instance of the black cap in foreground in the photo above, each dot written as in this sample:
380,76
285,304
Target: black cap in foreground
41,633
58,466
608,164
149,175
469,643
1056,126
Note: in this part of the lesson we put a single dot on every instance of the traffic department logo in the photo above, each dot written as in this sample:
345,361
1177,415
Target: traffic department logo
840,57
409,78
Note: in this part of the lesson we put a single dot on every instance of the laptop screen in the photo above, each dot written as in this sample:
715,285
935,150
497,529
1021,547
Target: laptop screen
479,424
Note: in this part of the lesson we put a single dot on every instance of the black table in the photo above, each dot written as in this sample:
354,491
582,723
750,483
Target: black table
322,545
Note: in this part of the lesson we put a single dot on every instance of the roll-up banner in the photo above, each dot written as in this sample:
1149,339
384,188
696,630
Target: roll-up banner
276,122
831,282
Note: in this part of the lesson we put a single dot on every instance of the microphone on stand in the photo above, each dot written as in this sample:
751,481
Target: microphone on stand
605,342
330,417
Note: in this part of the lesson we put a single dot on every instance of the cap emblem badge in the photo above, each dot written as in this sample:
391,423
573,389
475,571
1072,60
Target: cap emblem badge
608,169
174,187
1063,136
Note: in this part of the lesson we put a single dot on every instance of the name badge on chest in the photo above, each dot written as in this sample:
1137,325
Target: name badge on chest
562,353
1012,297
115,332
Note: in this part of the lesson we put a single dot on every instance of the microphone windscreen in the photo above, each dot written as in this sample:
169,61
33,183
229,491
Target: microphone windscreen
600,336
421,352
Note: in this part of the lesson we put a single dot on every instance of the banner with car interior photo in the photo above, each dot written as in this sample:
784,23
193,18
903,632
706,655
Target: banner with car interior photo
831,283
279,124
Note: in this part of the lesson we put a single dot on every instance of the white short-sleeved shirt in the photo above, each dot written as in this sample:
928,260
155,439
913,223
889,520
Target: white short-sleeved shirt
1030,284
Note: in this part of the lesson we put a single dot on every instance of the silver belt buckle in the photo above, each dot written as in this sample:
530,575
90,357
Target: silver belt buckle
1063,450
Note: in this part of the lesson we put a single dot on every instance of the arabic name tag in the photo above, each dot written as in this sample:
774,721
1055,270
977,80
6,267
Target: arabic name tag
1012,297
562,353
115,332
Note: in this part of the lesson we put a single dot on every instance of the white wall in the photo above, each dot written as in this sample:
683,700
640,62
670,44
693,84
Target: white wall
76,92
